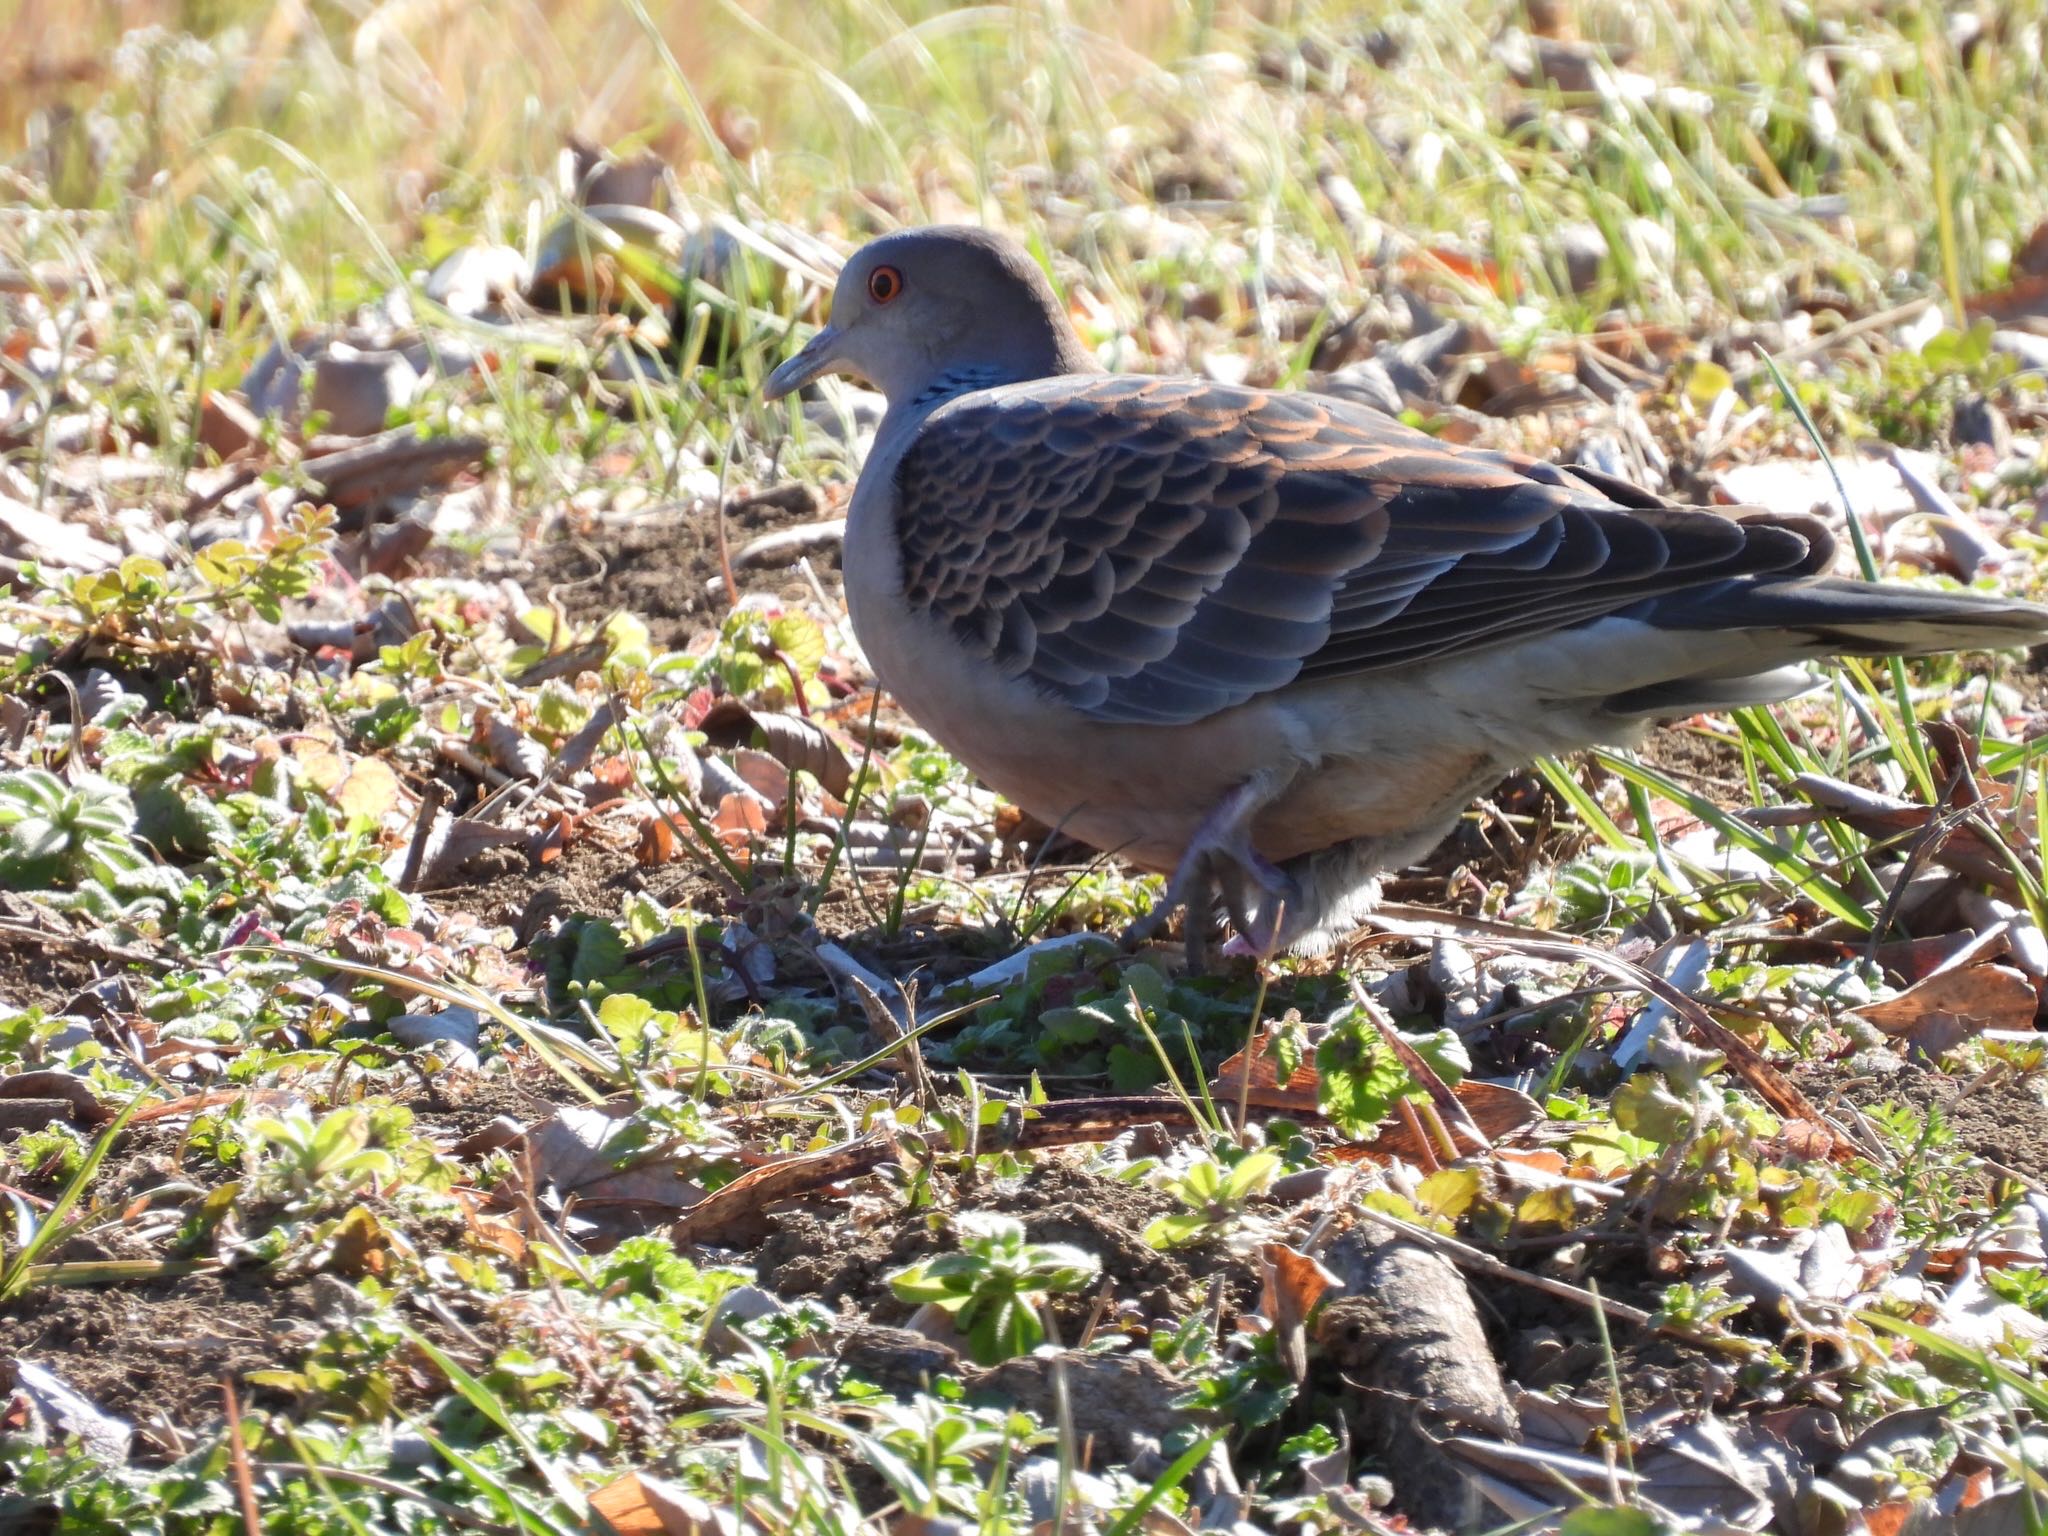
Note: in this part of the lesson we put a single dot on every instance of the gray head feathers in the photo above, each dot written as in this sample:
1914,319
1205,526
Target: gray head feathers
936,311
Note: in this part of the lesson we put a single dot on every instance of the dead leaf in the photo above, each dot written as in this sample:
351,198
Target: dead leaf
656,843
1936,1015
2024,298
739,819
32,535
1290,1285
61,1413
369,789
358,388
1253,1075
226,424
579,1152
798,744
735,1210
638,1505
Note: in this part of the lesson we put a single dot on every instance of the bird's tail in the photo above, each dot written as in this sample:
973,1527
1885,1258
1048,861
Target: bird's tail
1790,622
1861,618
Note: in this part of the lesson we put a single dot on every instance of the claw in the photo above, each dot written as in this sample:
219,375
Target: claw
1220,860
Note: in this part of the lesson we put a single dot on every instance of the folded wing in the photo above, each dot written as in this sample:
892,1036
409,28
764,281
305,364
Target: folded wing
1157,550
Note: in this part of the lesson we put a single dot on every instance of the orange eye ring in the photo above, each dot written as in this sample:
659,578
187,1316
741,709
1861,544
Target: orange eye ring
884,284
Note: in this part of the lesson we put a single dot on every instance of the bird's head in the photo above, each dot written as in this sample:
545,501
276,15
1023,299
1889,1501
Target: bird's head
927,307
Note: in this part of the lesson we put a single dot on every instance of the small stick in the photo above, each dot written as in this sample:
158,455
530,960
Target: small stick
431,800
238,1451
1465,1256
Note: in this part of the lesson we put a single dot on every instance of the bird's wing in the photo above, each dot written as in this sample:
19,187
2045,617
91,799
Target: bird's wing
1162,549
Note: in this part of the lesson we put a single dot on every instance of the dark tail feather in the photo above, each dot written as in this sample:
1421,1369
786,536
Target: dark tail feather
1858,618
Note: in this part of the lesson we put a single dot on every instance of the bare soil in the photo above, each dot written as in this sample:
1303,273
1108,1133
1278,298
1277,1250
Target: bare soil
33,974
2003,1122
821,1254
158,1352
659,565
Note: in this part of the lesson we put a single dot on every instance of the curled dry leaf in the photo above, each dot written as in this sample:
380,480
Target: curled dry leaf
580,1151
394,463
1936,1015
1495,1111
800,745
740,819
656,843
358,388
1290,1285
227,426
513,750
60,1413
734,1214
466,839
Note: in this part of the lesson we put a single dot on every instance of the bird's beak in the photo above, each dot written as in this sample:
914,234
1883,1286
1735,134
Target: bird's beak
819,356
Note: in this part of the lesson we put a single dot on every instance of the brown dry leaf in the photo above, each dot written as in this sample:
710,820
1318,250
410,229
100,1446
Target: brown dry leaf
763,775
1936,1015
356,472
226,424
1542,1159
1265,1090
2024,298
1442,261
491,1232
797,743
578,1152
464,840
736,1209
1803,1139
656,844
1918,959
739,819
1494,1110
1290,1285
369,789
1710,1474
580,255
2032,257
1497,1111
1884,1519
637,1505
359,1245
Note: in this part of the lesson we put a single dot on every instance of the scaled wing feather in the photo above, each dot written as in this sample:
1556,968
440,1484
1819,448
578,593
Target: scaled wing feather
1158,550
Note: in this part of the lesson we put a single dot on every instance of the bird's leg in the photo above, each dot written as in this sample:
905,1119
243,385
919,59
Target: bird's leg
1220,857
1260,930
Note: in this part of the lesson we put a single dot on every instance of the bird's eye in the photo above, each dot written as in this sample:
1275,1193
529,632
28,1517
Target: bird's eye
884,283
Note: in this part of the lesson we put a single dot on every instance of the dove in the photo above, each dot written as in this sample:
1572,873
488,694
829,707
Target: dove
1269,642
